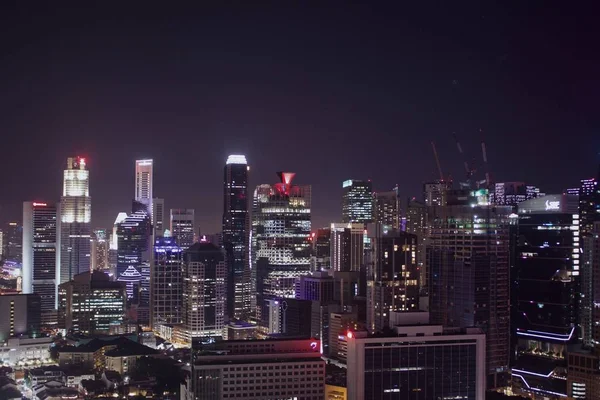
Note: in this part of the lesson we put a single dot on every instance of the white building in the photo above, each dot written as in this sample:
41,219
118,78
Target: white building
182,226
17,350
258,369
143,183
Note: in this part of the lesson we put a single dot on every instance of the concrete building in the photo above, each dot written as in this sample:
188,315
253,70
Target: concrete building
347,246
182,226
21,316
25,349
257,369
144,184
167,283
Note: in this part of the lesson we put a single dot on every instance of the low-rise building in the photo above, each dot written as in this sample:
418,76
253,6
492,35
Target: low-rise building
17,350
257,369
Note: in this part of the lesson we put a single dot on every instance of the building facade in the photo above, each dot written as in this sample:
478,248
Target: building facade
236,235
99,249
75,220
257,369
13,242
167,283
347,246
281,247
91,303
546,289
357,201
182,226
158,215
435,193
41,256
417,362
386,208
22,316
143,184
204,291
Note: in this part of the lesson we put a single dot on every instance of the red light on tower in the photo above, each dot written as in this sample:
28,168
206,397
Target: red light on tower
350,335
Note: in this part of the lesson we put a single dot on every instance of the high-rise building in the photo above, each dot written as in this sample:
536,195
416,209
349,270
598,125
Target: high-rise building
236,235
512,193
546,287
41,240
143,184
285,317
99,249
468,265
386,209
13,242
274,369
158,216
21,316
589,205
204,291
322,249
414,362
167,283
182,226
357,201
281,247
347,246
392,275
416,223
75,220
91,303
436,193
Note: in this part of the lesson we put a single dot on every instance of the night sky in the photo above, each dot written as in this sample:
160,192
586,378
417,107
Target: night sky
330,92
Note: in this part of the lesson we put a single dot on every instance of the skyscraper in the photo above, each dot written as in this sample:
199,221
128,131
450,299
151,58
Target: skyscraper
435,193
182,226
91,303
75,220
347,245
386,210
41,258
322,249
280,236
392,275
13,242
357,201
167,283
512,193
589,205
547,292
236,235
204,291
158,216
416,223
143,184
468,266
99,256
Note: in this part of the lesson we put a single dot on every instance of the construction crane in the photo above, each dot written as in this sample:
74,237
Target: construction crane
469,169
485,164
437,161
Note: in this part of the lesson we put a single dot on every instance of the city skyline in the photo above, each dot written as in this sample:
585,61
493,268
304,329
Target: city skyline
261,94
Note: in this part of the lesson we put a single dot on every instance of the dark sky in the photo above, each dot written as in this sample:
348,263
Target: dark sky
330,92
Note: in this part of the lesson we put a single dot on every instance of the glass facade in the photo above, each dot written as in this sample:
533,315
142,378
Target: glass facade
75,217
143,184
281,246
167,282
182,227
442,370
357,201
236,235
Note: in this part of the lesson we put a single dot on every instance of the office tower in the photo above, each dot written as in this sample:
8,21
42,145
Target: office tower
204,291
75,218
589,205
13,242
468,266
347,241
392,275
357,201
512,193
236,235
318,286
416,223
435,193
158,216
546,286
293,369
41,240
99,249
21,316
285,317
322,249
280,236
182,226
167,283
417,362
143,184
386,209
91,303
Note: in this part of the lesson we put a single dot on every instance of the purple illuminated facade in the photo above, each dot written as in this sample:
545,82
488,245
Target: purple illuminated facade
167,281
